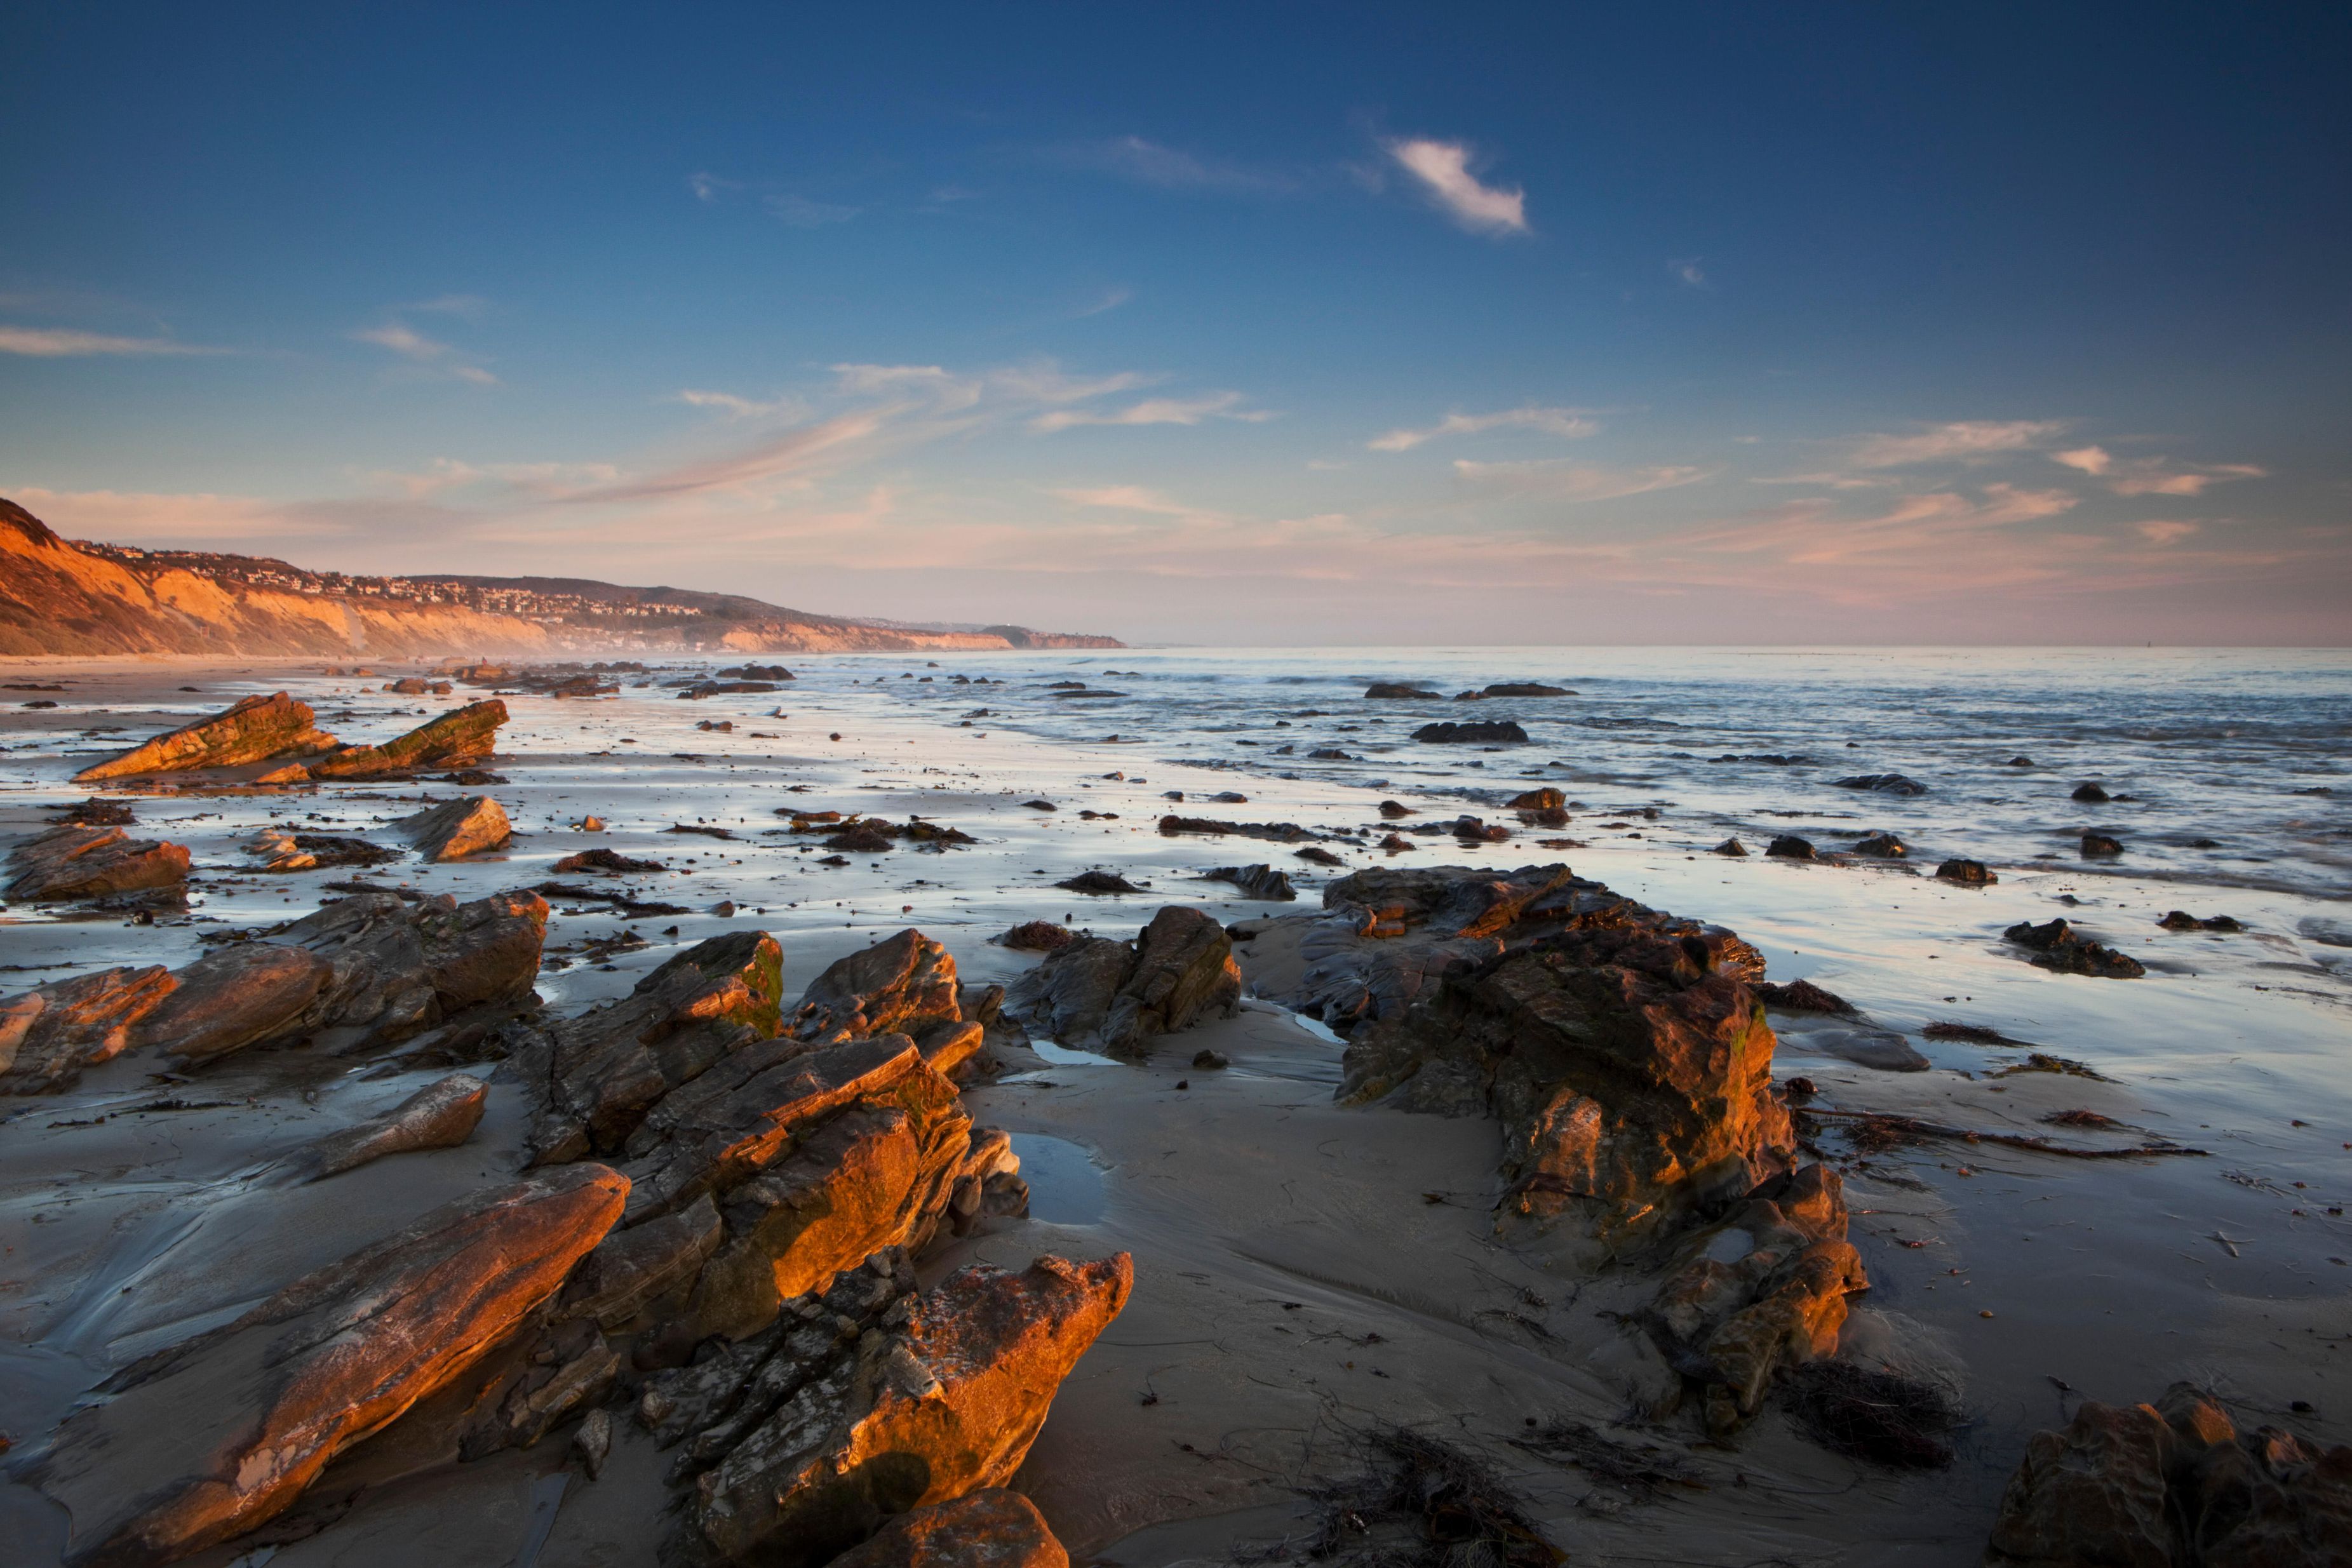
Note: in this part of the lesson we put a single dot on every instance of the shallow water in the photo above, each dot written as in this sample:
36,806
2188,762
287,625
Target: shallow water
1066,1186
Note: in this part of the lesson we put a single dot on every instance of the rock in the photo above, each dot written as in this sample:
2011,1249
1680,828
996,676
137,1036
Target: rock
236,996
1393,810
1972,873
991,1528
1544,800
905,983
2181,920
1788,846
1884,784
605,1069
1210,1061
1096,993
1259,882
593,1441
1881,846
258,729
2056,945
1037,937
2090,794
276,848
1731,847
1100,883
929,1408
605,860
1315,854
49,1034
1525,689
1399,691
441,1115
633,1271
1502,731
1040,805
456,829
206,1440
1281,832
69,862
1067,998
2099,846
1229,798
1802,997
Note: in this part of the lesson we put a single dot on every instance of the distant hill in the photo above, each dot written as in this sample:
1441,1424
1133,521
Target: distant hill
62,596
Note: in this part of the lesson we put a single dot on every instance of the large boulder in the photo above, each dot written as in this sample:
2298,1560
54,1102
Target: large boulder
991,1528
2173,1485
461,736
49,1034
207,1440
456,828
944,1398
1099,993
905,984
258,729
70,862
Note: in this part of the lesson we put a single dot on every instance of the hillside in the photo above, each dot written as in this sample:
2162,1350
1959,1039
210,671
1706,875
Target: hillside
65,597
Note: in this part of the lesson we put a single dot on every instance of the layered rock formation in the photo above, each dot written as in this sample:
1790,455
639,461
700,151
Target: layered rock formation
257,729
69,861
461,736
1094,993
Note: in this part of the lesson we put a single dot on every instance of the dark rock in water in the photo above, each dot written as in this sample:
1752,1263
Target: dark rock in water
1210,1061
96,813
605,861
1260,882
2090,793
1317,855
1040,805
1802,997
1096,993
1037,937
2019,762
2181,920
1788,846
2056,945
991,1528
1393,810
934,1402
1395,844
701,690
257,729
1525,689
1801,1088
1330,754
1502,731
210,1438
1099,882
1731,847
2099,846
1229,798
1546,798
859,838
464,734
756,672
2174,1482
1970,873
1477,830
1281,832
72,861
1882,846
1399,692
1884,784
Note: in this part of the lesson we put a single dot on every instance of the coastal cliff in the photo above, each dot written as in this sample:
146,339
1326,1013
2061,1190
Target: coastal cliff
59,596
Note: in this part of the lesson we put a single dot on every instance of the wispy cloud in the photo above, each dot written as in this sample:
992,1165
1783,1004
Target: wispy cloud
469,306
2090,460
1443,170
1155,410
1958,441
416,348
1562,421
2153,476
1110,300
1558,480
709,187
744,407
60,343
2164,533
1688,271
1149,164
801,213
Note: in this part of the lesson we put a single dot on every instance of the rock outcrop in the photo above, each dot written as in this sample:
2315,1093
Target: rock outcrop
456,828
941,1397
2173,1485
1098,994
991,1528
258,729
69,862
459,736
49,1034
210,1438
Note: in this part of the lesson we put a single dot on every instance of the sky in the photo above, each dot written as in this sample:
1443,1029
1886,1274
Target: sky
1247,325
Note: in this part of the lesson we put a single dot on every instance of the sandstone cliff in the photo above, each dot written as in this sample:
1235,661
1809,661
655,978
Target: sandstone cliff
60,596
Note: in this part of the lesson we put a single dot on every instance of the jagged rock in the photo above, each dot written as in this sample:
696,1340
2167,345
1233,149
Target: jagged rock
456,828
1315,854
1100,883
593,1442
441,1115
1096,993
1884,784
1731,847
208,1438
1968,873
1503,731
2090,794
365,970
69,862
943,1403
49,1034
1761,1289
1789,847
605,1069
257,729
1037,937
452,739
604,860
2181,920
2100,846
1881,846
1259,882
562,1368
1399,691
278,851
905,983
2056,945
991,1528
1802,997
632,1270
1546,798
1068,998
2175,1483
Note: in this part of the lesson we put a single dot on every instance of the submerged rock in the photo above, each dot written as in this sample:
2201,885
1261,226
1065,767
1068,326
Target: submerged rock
1971,873
1731,847
464,734
1400,691
1100,883
2099,846
2090,794
456,828
1525,689
69,861
258,729
1546,798
1259,882
1499,731
1881,846
2056,945
210,1438
1037,937
1789,847
1884,784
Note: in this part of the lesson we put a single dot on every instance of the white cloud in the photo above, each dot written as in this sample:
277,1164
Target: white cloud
708,187
412,345
1961,440
803,213
2093,460
1111,299
1563,422
1687,269
59,343
2166,533
742,407
2150,479
1444,168
1561,481
1156,410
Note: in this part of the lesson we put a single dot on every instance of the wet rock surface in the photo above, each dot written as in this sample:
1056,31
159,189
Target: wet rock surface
1096,993
257,729
1503,732
456,828
1259,882
990,1528
2057,945
459,736
73,861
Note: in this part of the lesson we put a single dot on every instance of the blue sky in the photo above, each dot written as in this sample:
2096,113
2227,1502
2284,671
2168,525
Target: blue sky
1220,324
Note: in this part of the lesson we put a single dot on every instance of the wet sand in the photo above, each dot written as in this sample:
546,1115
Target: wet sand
1304,1272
